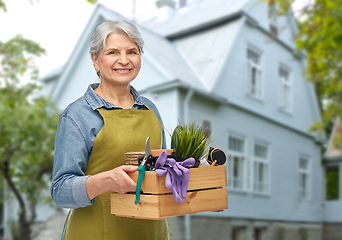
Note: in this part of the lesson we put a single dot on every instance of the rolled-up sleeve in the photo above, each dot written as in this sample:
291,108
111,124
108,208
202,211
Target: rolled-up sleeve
71,155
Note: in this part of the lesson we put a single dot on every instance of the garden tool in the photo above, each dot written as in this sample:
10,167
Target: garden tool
141,169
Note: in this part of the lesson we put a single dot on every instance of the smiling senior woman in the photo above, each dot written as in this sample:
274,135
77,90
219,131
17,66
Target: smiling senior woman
96,131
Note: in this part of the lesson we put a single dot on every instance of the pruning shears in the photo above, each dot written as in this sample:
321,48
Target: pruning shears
147,158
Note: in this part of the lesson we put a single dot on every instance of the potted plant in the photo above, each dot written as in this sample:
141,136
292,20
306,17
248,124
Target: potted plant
190,141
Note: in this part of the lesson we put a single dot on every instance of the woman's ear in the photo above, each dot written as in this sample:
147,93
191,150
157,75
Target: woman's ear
94,58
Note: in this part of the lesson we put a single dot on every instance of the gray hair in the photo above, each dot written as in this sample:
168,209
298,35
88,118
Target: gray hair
98,40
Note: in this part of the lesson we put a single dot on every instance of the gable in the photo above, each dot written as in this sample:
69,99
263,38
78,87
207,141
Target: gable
233,81
287,28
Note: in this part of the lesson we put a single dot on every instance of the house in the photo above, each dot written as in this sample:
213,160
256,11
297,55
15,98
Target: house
232,67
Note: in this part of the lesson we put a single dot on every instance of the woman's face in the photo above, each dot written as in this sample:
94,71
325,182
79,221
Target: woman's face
120,61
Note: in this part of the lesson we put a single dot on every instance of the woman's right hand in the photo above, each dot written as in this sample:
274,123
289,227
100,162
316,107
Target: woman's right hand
116,180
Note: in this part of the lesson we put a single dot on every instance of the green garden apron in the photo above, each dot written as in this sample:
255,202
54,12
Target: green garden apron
124,130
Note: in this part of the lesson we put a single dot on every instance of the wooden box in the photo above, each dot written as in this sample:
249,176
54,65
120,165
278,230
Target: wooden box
205,193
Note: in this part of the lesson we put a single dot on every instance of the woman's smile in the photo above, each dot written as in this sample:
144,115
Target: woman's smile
122,70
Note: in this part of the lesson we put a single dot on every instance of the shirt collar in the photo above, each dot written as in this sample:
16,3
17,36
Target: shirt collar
95,101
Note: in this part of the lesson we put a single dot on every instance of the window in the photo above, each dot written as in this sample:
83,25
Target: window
304,176
280,234
302,234
285,94
258,233
260,167
332,183
206,125
238,233
236,163
272,16
254,73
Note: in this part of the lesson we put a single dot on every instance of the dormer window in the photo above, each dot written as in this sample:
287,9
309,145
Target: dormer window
272,16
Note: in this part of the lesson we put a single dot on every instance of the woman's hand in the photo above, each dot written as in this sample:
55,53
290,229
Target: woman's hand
116,180
120,182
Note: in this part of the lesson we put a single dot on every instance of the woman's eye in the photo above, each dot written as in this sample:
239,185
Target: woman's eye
131,52
112,52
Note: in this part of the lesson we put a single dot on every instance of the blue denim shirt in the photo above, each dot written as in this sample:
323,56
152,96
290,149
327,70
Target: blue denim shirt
77,129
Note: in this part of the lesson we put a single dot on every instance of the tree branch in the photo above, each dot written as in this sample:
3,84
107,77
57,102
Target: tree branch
5,170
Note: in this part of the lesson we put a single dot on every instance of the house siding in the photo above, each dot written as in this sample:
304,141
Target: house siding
167,103
285,147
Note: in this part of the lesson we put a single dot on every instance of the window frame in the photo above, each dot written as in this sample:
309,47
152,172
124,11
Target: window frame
286,96
242,159
265,162
254,90
307,173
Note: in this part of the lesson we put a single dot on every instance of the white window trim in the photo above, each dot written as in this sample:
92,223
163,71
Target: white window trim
243,154
283,104
308,173
263,161
259,81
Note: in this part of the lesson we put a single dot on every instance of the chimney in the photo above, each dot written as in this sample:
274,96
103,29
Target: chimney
166,8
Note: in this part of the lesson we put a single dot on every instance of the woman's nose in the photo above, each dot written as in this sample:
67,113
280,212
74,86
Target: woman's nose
123,59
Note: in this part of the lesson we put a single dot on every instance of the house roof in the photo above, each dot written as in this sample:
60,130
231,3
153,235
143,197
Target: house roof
169,59
204,15
206,52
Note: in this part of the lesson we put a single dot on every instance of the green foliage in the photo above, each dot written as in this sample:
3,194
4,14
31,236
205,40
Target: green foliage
3,6
320,36
27,132
27,127
332,185
16,59
190,141
14,230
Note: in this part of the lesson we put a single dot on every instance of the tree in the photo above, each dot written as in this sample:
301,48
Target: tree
320,38
27,128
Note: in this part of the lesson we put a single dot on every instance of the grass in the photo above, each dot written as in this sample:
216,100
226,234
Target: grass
190,141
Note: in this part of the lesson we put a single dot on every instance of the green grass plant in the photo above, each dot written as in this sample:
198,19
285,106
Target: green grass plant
190,141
